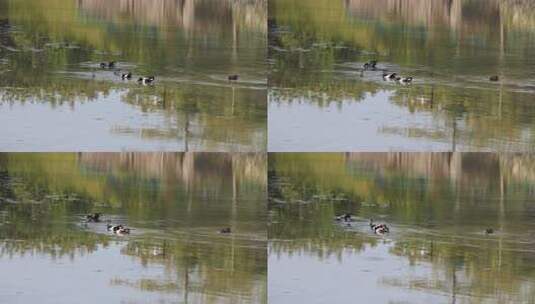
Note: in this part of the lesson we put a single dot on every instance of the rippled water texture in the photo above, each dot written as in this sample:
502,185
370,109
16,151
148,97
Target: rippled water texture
438,207
54,96
320,100
175,205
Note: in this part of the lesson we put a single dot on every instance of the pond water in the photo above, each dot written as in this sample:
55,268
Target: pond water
175,205
321,100
50,55
438,207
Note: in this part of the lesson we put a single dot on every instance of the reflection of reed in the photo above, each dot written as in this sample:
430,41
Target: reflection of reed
189,168
459,166
192,15
468,16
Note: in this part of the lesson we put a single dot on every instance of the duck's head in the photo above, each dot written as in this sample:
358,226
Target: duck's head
140,79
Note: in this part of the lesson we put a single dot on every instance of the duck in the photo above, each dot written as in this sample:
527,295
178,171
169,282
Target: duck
114,228
123,230
146,80
93,217
118,229
370,65
494,78
225,230
489,231
109,64
233,77
126,75
379,228
404,80
346,217
389,76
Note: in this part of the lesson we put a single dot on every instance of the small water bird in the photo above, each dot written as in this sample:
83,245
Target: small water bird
146,80
93,217
346,217
109,65
123,230
233,77
370,65
113,228
126,75
404,80
119,229
494,78
225,230
379,228
489,231
389,76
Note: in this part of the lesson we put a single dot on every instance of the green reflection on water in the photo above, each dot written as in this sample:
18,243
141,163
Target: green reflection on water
176,204
50,53
317,49
438,206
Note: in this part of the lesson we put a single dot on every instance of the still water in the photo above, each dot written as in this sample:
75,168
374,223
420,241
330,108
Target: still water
175,205
320,100
54,96
437,205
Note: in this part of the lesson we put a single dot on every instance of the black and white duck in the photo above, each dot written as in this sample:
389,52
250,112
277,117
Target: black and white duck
389,76
126,76
118,229
146,80
379,228
93,217
404,80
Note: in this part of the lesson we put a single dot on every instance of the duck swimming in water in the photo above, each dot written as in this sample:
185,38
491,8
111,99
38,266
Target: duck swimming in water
344,217
225,230
404,80
389,76
146,80
113,228
494,78
379,228
371,65
123,230
489,231
119,229
126,75
233,77
109,65
93,217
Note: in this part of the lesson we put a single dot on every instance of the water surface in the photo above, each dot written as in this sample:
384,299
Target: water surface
175,204
438,206
54,96
321,100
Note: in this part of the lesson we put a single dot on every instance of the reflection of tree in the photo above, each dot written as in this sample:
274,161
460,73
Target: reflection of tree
43,198
447,199
50,57
453,46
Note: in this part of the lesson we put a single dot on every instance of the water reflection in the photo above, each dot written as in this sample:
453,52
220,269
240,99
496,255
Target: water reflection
50,54
438,206
175,204
317,50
